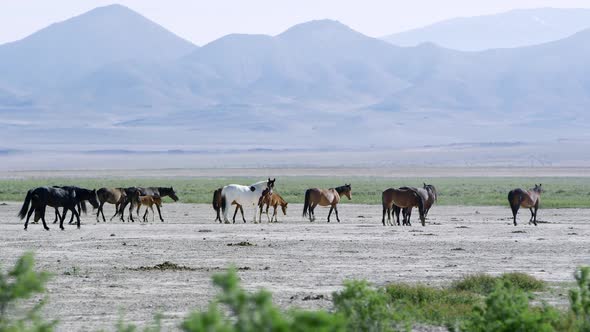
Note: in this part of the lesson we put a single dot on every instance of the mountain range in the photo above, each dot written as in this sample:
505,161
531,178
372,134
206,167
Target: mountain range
112,76
516,28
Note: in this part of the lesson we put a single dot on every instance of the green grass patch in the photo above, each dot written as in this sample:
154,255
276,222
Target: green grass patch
485,283
429,305
560,192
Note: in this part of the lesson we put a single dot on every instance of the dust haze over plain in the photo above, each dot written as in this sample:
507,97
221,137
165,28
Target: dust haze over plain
111,84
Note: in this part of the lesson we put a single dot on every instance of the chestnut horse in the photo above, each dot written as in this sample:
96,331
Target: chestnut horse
273,199
324,197
401,198
217,206
148,201
527,199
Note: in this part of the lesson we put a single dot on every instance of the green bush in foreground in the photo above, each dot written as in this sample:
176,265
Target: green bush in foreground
484,283
580,300
358,307
507,309
22,282
255,312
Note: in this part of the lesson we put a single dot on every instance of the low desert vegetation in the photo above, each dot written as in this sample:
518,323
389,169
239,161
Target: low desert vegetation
470,304
560,192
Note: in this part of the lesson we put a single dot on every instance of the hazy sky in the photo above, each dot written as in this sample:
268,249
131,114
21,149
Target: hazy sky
202,21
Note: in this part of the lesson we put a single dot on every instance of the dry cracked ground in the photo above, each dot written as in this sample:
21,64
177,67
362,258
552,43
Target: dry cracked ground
103,269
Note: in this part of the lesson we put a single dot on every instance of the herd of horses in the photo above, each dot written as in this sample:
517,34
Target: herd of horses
395,201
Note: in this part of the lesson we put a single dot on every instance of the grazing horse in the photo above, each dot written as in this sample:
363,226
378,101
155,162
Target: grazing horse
399,199
83,195
41,197
243,195
324,197
429,195
145,191
115,196
273,199
527,199
148,201
217,206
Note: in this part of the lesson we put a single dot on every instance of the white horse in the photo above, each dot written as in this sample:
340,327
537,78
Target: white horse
243,195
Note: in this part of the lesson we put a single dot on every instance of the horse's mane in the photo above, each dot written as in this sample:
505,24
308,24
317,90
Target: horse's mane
433,188
343,188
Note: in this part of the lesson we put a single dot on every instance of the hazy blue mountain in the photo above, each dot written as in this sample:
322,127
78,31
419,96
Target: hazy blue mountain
515,28
69,49
318,84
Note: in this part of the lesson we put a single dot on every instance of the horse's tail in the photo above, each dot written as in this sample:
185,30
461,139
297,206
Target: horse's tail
306,202
83,206
23,211
514,198
215,202
420,206
223,203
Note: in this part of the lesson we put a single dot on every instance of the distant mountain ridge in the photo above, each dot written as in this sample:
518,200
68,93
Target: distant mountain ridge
111,75
516,28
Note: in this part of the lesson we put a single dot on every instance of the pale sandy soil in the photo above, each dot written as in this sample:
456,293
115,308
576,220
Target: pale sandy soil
94,278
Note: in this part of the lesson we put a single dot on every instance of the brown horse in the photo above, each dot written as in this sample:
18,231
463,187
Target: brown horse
429,195
324,197
148,201
217,206
527,199
270,198
399,199
112,196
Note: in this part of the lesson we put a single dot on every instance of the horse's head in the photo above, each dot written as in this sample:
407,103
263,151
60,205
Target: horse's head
170,191
93,199
270,183
539,188
345,190
284,208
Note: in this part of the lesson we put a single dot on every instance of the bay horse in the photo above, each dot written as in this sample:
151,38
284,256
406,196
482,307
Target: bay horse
148,201
41,197
217,206
527,199
273,199
243,195
429,195
116,196
324,197
400,198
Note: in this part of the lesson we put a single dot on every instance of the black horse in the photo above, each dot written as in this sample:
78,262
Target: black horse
134,192
84,195
40,198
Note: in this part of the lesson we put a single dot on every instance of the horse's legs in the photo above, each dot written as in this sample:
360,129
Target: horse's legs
77,217
396,211
384,213
389,217
131,211
42,210
409,214
532,215
29,216
514,212
56,215
159,213
153,214
275,215
330,213
144,215
267,217
312,210
536,209
336,210
236,212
